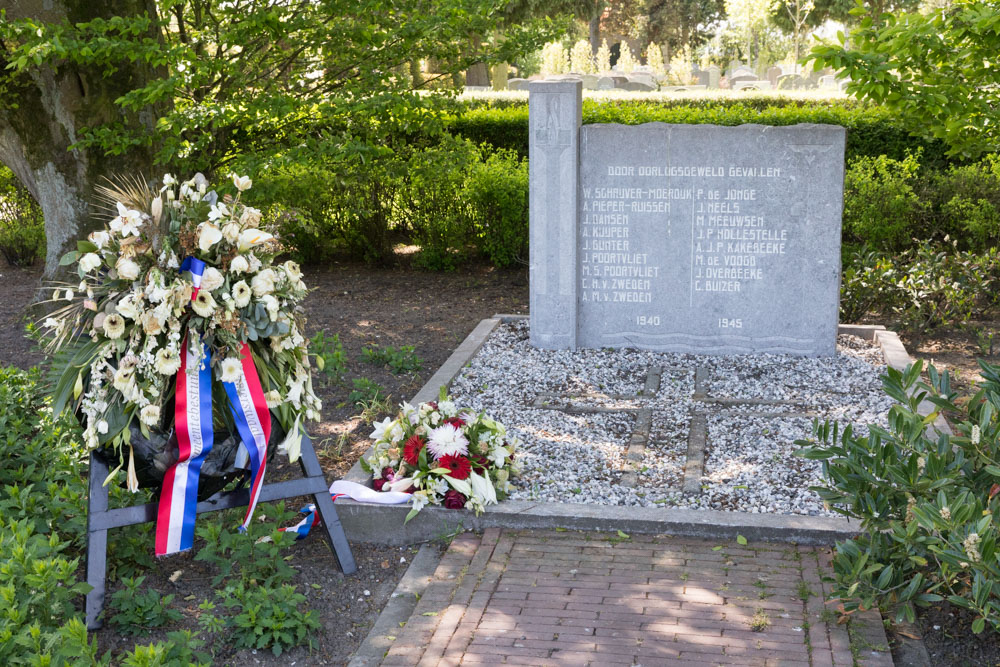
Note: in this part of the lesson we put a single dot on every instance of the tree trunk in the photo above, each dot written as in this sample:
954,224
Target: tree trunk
45,109
595,33
478,74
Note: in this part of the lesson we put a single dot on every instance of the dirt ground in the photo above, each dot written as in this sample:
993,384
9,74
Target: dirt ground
398,306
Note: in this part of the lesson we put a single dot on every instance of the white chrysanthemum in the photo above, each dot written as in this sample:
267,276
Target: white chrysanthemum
212,279
150,415
447,439
203,304
168,362
229,370
253,237
263,282
90,261
208,236
127,269
241,294
114,325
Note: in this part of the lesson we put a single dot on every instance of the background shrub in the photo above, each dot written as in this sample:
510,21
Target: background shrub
881,207
22,227
497,193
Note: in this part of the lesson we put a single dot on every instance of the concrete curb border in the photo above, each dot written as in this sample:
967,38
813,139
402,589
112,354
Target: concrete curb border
366,522
398,609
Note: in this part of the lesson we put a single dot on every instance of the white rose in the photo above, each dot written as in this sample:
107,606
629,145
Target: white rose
127,269
231,232
242,183
126,308
253,237
212,279
100,238
241,294
90,261
239,264
250,217
263,282
208,236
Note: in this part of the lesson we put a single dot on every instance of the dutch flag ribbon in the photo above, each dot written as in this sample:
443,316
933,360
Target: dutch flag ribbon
193,424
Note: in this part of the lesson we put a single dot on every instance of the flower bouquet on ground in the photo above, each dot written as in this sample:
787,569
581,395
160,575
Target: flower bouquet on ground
181,345
443,455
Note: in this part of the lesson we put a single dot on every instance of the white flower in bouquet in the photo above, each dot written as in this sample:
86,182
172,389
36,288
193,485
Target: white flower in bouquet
498,455
127,308
150,415
239,265
68,295
102,426
100,238
242,183
411,414
271,303
128,221
208,236
204,304
381,428
168,182
253,237
168,362
124,380
250,217
273,398
113,325
447,408
151,323
447,439
255,263
231,232
89,262
218,211
241,294
263,282
229,370
212,279
127,269
156,209
293,270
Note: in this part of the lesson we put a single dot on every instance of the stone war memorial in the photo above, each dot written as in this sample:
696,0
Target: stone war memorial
682,238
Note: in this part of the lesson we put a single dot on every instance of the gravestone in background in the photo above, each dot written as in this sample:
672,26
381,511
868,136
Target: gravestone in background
682,238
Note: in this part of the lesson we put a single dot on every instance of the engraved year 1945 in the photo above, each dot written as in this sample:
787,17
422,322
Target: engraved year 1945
730,323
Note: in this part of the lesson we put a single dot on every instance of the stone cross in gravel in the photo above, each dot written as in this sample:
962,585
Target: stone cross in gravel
682,238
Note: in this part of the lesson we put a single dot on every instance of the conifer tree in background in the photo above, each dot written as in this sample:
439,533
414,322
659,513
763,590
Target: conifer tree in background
626,62
555,60
603,59
654,58
581,61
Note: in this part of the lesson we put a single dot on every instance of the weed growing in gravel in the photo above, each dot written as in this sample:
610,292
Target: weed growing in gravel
760,620
402,360
139,611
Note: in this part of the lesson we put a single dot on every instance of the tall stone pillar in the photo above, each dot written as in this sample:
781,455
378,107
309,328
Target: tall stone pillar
554,119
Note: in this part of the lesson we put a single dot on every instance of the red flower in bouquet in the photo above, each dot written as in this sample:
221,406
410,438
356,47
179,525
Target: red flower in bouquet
388,476
479,463
411,450
454,500
459,465
457,422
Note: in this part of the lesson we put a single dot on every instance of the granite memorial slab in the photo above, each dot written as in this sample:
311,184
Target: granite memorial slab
688,238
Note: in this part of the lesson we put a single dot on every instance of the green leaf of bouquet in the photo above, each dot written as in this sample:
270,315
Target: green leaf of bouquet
85,246
69,258
459,485
440,471
412,513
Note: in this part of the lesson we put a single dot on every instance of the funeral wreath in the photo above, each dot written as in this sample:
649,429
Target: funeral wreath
443,455
183,332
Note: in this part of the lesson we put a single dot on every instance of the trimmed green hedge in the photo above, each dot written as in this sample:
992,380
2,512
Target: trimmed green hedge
871,131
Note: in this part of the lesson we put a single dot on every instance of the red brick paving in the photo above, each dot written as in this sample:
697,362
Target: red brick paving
570,598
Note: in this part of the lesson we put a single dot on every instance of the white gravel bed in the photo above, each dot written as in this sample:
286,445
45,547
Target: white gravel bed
580,457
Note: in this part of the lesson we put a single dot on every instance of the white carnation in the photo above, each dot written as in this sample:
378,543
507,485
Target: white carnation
127,269
229,370
212,279
250,217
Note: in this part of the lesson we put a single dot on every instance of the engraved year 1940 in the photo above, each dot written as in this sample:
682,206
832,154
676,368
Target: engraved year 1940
648,320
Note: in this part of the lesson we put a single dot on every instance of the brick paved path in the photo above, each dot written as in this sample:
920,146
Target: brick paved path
572,598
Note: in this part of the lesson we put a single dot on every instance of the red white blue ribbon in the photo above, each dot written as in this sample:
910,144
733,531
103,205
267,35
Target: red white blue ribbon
193,424
253,422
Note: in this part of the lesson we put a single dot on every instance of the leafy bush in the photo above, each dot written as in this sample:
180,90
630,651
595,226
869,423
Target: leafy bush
181,648
880,205
403,360
269,618
330,357
871,129
926,501
22,226
968,200
138,611
922,287
497,193
249,557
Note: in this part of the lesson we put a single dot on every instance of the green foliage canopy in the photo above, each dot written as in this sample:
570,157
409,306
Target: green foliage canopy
268,78
937,71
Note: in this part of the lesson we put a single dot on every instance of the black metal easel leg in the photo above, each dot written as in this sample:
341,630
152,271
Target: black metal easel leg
328,513
97,542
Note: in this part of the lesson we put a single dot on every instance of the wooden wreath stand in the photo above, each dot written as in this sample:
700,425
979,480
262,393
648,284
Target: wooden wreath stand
100,519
